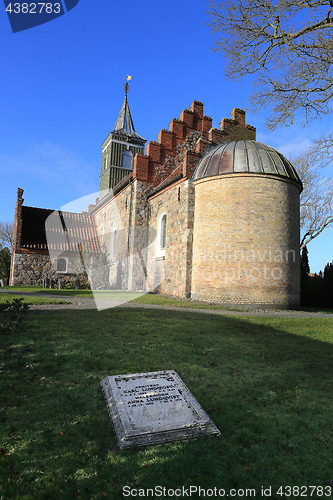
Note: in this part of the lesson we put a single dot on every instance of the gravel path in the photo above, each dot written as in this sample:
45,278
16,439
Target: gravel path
86,303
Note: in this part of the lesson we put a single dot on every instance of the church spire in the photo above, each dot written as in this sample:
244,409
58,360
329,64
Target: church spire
120,148
124,124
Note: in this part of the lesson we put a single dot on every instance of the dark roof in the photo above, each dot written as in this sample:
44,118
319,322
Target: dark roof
244,157
55,230
124,124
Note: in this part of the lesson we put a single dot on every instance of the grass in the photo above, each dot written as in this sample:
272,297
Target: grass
321,310
265,382
49,291
29,300
147,298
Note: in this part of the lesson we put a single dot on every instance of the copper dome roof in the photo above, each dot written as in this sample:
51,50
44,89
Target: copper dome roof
244,157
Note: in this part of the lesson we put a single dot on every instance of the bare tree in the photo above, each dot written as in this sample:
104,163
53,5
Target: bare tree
316,200
6,231
287,44
321,150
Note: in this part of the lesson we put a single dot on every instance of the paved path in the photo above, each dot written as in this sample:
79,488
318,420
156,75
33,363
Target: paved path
87,303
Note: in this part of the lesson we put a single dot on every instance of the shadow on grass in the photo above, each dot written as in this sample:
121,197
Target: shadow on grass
265,382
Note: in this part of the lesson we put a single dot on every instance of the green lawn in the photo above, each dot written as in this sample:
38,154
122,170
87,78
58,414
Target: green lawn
117,294
121,295
49,291
147,298
265,382
321,310
29,300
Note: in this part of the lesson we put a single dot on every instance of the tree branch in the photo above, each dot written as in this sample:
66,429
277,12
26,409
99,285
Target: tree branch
314,234
287,45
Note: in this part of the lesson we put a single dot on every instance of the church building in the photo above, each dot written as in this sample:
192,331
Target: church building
204,213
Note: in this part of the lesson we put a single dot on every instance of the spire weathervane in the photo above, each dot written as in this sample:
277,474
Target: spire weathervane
126,86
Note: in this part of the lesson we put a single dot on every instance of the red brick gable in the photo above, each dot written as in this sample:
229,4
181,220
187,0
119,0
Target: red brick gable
163,157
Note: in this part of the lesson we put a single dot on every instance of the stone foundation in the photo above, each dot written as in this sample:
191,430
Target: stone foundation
32,269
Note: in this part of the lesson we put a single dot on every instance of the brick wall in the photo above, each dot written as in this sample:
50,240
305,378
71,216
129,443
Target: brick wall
235,129
17,231
154,167
246,241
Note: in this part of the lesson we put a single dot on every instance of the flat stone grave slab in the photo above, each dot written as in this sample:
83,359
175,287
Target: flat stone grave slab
156,407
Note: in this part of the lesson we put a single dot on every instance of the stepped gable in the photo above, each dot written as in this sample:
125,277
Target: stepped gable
186,140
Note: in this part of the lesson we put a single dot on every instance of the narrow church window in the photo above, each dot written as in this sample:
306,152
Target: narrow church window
163,232
127,160
113,245
161,235
62,266
106,162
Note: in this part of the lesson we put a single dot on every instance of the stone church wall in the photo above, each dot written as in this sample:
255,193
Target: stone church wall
115,216
126,214
135,265
177,202
32,268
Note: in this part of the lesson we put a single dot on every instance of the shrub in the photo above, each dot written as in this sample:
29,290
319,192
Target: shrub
84,281
69,285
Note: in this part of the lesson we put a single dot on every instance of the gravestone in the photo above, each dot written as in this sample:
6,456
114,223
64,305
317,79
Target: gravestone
156,407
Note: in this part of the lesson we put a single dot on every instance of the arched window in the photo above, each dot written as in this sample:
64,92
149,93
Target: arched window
113,245
161,235
126,161
62,265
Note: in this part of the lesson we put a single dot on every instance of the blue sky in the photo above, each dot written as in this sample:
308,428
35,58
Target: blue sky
62,89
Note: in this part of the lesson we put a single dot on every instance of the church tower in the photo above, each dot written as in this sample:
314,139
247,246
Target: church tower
120,148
